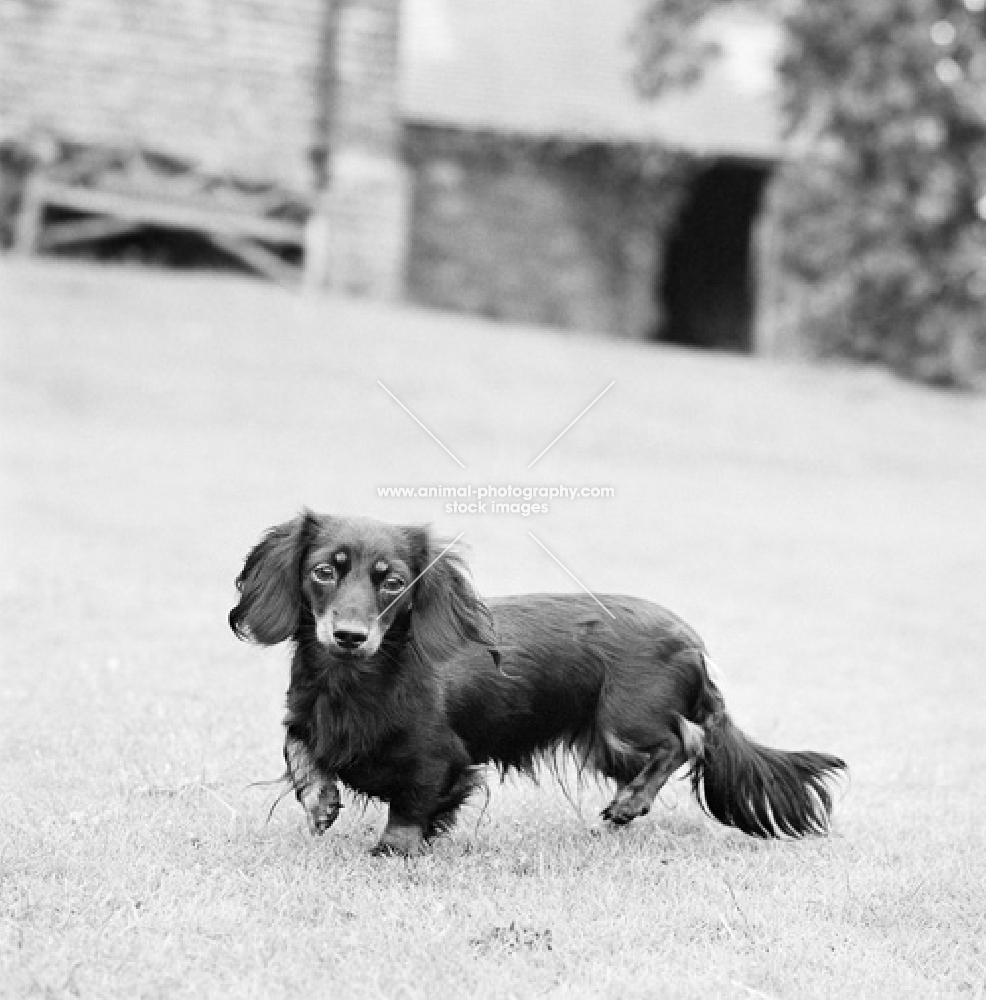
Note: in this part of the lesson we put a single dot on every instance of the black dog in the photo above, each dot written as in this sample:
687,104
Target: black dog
403,682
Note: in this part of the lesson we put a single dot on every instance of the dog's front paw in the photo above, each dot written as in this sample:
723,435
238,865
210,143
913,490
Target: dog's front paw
625,807
400,841
384,849
321,804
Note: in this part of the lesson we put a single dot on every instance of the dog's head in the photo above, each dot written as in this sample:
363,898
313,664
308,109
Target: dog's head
350,581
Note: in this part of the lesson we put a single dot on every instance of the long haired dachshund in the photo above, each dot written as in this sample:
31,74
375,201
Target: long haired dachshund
404,683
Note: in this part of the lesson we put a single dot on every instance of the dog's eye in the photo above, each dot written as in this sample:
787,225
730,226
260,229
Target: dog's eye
393,585
324,573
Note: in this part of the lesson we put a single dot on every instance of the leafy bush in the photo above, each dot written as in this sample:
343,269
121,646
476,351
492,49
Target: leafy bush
882,202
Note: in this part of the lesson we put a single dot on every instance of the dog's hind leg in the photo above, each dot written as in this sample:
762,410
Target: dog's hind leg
671,752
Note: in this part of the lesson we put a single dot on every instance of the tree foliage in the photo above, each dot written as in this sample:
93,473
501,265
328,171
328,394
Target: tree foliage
883,197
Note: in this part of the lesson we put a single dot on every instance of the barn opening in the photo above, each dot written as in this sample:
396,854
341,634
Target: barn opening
707,290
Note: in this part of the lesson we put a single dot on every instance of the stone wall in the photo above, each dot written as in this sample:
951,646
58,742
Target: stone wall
565,235
358,232
231,85
305,92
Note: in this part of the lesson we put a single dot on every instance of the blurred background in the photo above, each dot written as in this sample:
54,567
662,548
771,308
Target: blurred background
774,178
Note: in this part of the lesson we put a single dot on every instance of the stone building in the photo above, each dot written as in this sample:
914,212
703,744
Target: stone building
484,155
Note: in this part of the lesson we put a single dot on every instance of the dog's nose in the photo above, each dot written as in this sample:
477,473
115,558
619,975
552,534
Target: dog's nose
349,635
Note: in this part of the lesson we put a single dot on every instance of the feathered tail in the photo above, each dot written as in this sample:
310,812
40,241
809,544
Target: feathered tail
759,790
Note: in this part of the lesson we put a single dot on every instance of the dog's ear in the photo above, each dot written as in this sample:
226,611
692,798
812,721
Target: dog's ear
270,583
446,610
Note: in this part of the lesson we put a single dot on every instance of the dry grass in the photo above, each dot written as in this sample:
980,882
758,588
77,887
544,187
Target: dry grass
823,528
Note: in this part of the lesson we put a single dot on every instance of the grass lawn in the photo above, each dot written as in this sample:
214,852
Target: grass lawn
823,528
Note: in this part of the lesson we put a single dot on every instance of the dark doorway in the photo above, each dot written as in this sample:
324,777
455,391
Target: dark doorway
707,290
